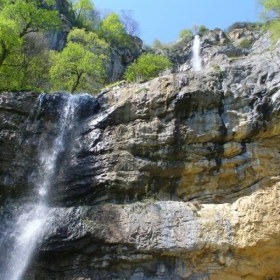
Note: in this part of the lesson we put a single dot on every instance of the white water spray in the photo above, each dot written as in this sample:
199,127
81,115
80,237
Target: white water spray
196,61
31,224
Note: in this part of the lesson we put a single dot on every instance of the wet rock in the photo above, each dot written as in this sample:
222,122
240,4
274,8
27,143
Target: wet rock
15,109
174,178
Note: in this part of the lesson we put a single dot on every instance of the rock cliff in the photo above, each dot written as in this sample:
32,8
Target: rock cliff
217,47
174,178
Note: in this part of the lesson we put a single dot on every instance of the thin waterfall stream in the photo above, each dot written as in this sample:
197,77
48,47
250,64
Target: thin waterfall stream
196,61
31,223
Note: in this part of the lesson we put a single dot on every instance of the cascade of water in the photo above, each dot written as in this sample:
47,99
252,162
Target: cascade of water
31,223
196,54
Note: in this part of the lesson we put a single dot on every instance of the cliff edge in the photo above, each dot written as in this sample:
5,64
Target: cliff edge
174,178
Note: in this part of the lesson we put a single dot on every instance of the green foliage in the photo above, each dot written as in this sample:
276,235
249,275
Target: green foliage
203,29
142,89
185,33
19,19
10,41
217,68
30,16
147,66
80,66
89,40
113,31
271,6
157,44
271,14
84,14
245,44
28,67
247,25
117,83
199,29
274,28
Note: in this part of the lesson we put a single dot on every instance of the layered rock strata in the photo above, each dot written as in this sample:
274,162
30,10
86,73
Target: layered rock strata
175,178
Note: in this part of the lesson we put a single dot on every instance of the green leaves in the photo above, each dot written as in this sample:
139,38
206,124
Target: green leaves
18,19
146,67
83,10
185,33
112,30
271,5
272,15
9,39
29,17
80,66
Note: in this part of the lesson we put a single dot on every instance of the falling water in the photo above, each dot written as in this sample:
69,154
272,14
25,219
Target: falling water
31,223
196,54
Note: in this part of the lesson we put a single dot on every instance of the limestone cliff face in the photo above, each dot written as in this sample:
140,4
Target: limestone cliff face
169,180
217,48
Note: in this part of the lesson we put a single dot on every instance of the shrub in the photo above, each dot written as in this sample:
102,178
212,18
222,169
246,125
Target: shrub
247,25
245,44
147,66
203,29
185,33
80,66
113,31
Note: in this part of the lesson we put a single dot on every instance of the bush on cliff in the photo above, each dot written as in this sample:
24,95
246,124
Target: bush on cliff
113,31
185,33
246,25
147,66
271,14
80,66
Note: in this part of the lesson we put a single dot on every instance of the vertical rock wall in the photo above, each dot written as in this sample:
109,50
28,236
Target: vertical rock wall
169,180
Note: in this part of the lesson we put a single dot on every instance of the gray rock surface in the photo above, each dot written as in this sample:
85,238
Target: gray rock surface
217,48
120,58
15,109
174,178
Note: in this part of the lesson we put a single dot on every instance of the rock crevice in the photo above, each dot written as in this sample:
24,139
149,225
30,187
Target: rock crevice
168,180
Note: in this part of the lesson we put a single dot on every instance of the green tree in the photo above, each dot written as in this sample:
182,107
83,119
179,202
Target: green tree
157,44
80,66
203,29
245,43
271,14
10,41
185,33
19,19
113,31
271,6
29,66
147,66
84,14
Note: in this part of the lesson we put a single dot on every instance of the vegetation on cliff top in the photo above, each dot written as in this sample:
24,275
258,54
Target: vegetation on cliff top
27,61
80,66
271,14
145,67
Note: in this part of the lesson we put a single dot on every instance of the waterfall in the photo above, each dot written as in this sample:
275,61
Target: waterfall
196,61
31,223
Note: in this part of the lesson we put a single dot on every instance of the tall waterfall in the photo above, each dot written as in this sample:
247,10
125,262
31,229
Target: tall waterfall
31,223
196,61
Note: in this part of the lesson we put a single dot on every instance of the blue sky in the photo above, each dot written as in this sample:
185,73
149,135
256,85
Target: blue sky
164,19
